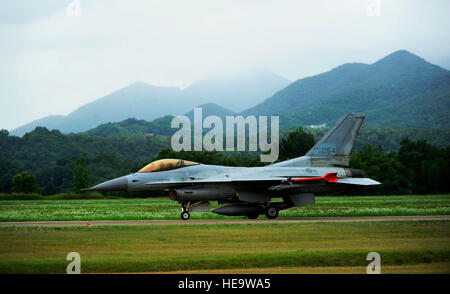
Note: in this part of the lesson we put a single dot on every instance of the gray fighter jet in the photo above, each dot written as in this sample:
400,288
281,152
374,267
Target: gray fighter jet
249,191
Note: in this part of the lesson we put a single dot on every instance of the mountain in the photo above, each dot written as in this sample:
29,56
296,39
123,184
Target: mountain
142,101
132,126
211,109
50,122
158,127
400,89
138,100
236,92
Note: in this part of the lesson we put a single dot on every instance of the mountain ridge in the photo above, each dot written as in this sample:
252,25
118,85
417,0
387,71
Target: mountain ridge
400,83
148,102
399,89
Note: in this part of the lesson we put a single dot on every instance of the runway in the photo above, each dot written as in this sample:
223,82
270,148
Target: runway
88,223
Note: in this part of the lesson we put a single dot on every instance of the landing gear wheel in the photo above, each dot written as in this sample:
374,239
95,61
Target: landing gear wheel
185,215
271,212
253,216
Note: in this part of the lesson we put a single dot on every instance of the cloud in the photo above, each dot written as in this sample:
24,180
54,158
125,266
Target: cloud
53,63
19,12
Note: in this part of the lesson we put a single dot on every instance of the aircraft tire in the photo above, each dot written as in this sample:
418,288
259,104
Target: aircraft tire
253,216
272,212
185,215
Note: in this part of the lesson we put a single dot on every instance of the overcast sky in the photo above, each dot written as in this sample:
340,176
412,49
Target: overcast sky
53,61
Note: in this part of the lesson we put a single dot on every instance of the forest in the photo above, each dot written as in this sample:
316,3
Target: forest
48,162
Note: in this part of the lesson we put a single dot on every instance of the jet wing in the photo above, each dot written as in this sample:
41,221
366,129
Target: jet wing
190,181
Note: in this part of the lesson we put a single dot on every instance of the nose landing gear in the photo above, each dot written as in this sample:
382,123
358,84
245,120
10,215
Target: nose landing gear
185,215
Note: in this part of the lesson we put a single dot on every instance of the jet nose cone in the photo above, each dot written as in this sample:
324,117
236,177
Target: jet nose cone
117,184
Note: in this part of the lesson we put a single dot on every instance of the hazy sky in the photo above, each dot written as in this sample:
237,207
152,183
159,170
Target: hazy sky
52,61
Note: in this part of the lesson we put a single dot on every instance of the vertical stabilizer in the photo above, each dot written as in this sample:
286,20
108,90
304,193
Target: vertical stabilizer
335,146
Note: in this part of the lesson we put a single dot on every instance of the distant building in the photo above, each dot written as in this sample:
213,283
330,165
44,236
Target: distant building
318,126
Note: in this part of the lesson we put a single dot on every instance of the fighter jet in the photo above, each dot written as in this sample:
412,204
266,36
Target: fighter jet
250,191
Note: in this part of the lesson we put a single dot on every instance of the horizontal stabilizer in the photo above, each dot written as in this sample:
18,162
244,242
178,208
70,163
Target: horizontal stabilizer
333,178
358,181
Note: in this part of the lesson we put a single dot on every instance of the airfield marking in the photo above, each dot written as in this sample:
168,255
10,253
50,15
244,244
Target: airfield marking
221,221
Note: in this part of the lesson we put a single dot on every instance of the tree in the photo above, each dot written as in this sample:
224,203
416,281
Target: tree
7,170
24,183
383,167
80,175
4,133
49,188
296,144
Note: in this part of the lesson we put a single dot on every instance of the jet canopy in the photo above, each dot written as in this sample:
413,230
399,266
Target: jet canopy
166,164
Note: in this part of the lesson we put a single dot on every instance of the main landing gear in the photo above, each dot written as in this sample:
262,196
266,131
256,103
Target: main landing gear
271,212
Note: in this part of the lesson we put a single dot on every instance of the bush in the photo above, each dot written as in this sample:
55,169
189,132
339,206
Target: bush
21,196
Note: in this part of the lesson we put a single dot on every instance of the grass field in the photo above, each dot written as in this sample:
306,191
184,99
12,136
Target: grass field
405,246
163,208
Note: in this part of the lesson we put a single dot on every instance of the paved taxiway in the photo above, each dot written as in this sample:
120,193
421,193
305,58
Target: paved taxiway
220,221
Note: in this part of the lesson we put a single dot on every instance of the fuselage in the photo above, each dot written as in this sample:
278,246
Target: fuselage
189,174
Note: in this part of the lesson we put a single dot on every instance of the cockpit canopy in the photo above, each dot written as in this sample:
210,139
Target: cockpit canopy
166,164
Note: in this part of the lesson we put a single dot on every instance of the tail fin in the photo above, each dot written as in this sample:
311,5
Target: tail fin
335,146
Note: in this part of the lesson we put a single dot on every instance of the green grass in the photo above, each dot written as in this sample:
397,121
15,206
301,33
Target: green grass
224,246
163,208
